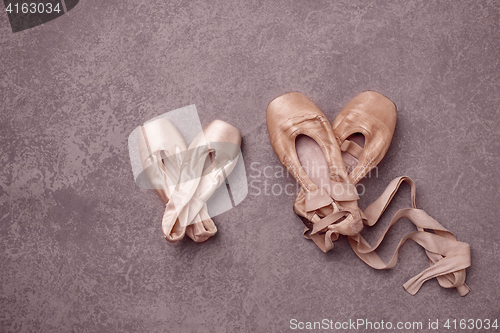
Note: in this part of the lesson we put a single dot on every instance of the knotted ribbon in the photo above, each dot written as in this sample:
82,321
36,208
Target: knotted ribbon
448,257
197,182
339,216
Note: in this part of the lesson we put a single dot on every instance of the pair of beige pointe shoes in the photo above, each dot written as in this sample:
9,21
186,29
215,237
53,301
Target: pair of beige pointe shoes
186,177
316,154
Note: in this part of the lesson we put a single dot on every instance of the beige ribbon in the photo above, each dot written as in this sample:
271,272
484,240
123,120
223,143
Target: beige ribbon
341,220
448,257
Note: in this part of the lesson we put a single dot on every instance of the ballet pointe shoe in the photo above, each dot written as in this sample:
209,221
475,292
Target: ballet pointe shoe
161,150
374,116
327,201
209,159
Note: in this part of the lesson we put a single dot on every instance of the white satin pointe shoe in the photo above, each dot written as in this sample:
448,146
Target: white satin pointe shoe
206,164
161,150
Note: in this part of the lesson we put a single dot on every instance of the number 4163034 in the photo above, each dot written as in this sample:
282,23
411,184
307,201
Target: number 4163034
471,324
33,8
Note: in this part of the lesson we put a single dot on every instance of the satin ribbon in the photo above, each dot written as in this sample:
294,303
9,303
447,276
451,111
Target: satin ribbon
174,172
187,201
189,177
448,257
343,220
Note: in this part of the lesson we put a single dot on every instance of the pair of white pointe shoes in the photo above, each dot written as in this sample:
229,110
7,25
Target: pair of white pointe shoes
186,177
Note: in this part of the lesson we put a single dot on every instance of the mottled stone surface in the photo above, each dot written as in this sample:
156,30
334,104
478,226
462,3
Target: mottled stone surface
81,249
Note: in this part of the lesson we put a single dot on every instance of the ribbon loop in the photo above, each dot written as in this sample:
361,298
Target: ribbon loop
352,148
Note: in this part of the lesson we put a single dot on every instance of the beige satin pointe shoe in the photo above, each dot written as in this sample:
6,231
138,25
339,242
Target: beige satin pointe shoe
206,164
161,150
327,201
374,116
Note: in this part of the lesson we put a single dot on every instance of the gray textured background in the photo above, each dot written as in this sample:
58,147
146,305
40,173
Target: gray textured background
81,249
